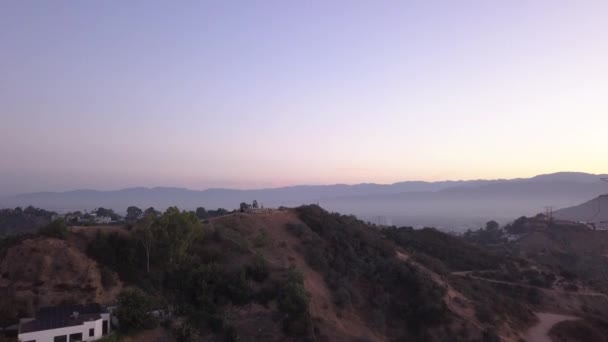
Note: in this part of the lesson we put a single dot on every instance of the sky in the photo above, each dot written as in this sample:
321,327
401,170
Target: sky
248,94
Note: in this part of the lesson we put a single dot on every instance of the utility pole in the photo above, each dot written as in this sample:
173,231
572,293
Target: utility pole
549,213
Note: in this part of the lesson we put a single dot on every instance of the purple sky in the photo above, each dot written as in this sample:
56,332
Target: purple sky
112,94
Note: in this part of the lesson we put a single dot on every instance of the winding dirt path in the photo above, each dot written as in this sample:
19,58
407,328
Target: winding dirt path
540,332
468,274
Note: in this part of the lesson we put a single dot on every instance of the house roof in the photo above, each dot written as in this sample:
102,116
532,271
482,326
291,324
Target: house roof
55,317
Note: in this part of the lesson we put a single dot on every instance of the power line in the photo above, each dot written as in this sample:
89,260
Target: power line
599,202
549,212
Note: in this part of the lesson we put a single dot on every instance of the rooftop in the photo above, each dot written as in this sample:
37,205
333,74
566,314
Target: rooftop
55,317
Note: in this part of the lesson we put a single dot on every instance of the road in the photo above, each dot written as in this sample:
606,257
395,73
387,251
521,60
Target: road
540,332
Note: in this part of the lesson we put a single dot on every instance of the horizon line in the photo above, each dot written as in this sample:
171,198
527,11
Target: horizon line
299,185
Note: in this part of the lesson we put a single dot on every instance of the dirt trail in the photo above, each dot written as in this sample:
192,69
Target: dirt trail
468,274
540,332
283,252
455,301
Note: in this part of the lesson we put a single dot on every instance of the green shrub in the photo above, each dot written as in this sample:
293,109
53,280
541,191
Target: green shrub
262,240
258,270
293,301
132,311
56,229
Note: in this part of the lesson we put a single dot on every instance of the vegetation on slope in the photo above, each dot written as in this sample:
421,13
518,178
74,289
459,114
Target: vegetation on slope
362,271
203,272
455,253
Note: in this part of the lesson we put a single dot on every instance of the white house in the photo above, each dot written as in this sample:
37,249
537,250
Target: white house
70,323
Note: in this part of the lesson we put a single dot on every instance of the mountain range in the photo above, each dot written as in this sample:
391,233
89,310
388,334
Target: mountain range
449,205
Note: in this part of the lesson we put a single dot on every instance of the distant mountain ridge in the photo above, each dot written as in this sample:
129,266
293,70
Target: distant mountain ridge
442,204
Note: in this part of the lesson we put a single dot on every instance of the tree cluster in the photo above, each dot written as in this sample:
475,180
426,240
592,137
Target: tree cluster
20,220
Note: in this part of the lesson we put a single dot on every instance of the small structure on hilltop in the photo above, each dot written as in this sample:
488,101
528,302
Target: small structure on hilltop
254,207
89,322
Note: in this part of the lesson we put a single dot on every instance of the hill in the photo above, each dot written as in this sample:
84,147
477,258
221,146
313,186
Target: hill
595,210
449,205
39,271
275,275
308,274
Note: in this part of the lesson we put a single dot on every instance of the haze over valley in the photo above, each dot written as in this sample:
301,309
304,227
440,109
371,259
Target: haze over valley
448,205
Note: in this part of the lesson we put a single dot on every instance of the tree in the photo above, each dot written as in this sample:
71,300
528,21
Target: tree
218,212
152,211
144,234
133,213
132,311
255,204
103,212
177,230
492,225
57,229
201,213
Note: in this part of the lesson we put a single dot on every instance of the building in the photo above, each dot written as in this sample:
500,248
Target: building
103,220
69,323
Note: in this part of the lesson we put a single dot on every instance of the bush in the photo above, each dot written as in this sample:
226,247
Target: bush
107,277
118,253
293,301
132,311
56,229
262,240
258,270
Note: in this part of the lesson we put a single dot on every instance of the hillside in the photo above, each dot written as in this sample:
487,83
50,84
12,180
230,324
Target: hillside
39,271
304,274
240,274
595,210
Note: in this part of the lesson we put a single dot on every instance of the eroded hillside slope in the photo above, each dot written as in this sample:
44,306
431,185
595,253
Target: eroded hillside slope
42,271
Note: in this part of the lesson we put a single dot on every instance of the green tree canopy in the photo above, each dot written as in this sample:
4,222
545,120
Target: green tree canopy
152,211
177,231
145,235
133,213
201,213
132,311
103,212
